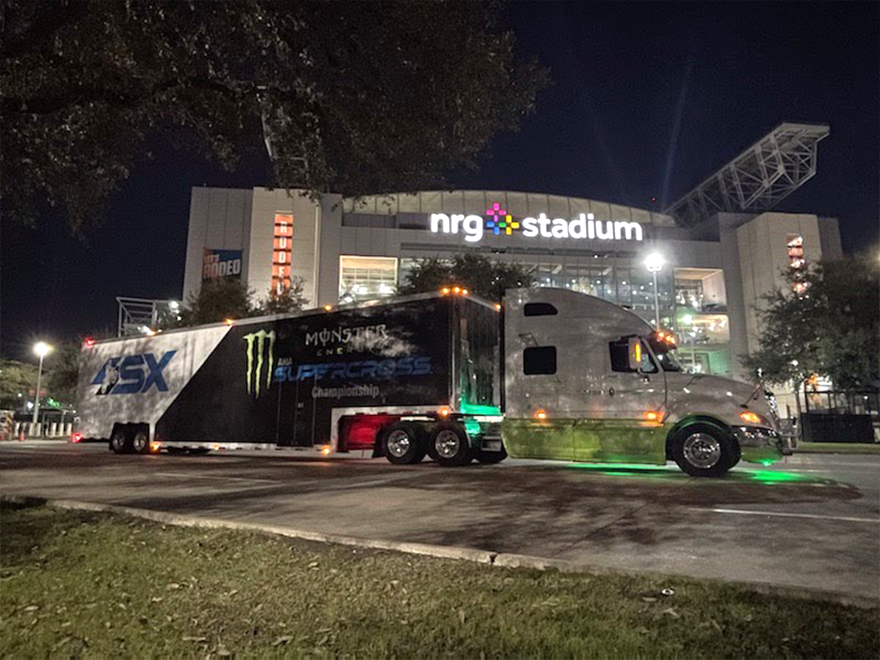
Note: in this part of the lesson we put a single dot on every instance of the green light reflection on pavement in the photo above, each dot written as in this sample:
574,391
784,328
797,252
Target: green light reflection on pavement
652,471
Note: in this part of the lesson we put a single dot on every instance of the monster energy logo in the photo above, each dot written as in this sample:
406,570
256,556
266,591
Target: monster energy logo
256,342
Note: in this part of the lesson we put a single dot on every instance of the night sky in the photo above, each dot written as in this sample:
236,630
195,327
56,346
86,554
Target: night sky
648,99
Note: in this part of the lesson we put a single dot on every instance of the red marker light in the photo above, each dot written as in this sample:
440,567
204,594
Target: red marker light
76,437
89,341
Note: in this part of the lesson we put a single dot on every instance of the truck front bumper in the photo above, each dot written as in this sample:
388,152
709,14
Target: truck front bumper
759,444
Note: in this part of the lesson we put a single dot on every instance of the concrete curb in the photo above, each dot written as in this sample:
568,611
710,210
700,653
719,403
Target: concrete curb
501,560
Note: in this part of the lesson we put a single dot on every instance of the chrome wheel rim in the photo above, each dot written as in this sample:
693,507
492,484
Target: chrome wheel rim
447,443
399,443
139,442
702,450
118,440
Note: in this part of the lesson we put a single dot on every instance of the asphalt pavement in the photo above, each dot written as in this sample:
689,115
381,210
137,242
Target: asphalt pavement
810,521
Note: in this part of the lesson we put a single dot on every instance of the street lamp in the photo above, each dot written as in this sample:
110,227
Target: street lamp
654,264
41,349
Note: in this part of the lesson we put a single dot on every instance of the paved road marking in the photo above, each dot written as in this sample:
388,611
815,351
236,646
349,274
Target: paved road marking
779,514
195,475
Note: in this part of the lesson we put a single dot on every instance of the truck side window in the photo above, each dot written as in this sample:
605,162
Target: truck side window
539,309
539,360
620,359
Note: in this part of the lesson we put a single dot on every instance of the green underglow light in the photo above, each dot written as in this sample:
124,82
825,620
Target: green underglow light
477,409
471,427
775,476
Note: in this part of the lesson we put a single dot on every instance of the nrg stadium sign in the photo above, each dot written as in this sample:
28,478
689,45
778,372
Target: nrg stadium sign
499,221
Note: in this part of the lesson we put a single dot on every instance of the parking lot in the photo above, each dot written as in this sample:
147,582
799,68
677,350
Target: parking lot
810,521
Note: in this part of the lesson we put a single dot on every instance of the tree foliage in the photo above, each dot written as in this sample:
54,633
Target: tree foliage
230,298
17,379
289,301
360,97
217,300
831,329
477,273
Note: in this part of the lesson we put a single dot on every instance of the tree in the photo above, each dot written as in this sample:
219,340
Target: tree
289,301
477,273
62,372
17,380
358,97
217,300
829,326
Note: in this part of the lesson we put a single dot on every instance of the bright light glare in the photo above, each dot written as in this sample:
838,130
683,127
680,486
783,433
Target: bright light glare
654,262
42,349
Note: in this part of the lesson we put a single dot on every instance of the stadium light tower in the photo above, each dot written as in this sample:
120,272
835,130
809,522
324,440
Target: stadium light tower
654,264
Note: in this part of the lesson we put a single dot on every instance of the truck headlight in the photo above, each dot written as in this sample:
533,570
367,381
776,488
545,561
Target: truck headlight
753,418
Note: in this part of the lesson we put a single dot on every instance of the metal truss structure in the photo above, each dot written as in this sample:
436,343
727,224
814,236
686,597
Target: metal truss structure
759,178
142,316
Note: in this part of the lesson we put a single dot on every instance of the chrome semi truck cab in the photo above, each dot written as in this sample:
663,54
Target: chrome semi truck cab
587,380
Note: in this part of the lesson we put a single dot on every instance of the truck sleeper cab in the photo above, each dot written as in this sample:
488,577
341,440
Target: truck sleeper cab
586,380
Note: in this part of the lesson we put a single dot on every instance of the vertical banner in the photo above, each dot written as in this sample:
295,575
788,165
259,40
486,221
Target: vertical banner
281,252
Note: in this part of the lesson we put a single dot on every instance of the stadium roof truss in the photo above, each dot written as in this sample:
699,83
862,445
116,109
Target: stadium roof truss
759,178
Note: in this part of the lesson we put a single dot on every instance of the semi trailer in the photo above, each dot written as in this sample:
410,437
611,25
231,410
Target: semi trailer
550,374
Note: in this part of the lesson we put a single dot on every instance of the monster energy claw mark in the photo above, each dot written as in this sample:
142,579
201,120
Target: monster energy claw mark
256,343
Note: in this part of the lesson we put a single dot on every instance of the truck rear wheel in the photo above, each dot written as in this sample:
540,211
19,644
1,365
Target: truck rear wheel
702,450
448,445
140,440
403,443
120,439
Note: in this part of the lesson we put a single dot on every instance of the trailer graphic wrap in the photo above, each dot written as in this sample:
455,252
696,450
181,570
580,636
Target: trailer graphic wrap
257,344
277,381
137,379
126,375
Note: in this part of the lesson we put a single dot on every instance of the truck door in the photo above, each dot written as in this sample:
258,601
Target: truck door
624,424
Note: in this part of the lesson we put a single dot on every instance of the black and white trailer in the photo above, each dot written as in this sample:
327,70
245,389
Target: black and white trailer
405,377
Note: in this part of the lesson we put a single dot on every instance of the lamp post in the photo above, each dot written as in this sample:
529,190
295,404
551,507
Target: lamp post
654,264
41,349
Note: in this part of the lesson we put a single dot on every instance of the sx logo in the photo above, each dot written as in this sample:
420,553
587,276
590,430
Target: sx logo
257,344
498,219
128,375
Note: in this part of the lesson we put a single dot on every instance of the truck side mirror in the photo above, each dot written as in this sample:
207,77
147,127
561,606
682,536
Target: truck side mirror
634,351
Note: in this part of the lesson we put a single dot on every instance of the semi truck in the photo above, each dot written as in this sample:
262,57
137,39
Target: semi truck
547,374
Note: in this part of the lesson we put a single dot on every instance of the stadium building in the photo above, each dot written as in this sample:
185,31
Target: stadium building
722,245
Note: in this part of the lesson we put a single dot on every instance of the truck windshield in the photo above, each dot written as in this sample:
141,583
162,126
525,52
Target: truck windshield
664,353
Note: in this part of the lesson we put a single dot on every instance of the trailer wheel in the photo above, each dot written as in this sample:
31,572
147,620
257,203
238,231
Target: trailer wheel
120,439
403,443
140,440
448,445
702,450
491,457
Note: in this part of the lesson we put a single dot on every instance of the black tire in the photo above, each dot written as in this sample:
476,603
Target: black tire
403,443
448,445
120,439
491,457
703,450
140,440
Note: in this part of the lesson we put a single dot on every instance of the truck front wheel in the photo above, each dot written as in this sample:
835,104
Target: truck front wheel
702,450
403,444
448,445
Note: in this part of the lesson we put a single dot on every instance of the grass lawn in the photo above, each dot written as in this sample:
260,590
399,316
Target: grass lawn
836,448
95,585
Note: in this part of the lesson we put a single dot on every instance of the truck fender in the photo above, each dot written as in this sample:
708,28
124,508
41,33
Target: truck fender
698,418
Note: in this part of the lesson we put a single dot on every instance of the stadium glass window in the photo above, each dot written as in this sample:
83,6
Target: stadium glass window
366,278
539,309
539,361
